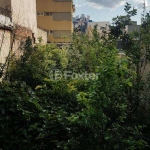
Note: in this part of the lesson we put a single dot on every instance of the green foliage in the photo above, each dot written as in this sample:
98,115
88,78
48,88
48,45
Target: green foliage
120,22
136,46
37,119
106,108
20,111
108,113
36,63
85,54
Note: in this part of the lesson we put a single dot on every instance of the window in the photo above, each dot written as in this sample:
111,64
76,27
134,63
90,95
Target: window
47,14
102,28
50,32
44,13
61,34
59,16
40,13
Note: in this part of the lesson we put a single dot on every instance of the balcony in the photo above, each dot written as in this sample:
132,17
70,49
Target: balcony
73,7
5,19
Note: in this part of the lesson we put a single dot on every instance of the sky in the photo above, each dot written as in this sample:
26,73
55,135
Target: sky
105,10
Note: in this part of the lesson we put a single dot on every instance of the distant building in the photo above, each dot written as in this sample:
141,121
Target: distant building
132,26
105,26
101,26
129,29
55,17
81,23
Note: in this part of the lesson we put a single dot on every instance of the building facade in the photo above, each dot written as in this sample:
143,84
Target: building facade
55,17
132,27
18,21
80,24
101,26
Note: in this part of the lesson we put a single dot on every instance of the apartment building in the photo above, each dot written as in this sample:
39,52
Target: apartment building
81,23
55,17
101,26
132,27
18,20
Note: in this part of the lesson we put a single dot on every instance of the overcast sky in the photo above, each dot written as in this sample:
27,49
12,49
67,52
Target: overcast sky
105,10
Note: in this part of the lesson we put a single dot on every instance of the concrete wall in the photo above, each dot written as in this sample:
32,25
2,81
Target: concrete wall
24,20
5,39
43,35
131,28
100,25
24,14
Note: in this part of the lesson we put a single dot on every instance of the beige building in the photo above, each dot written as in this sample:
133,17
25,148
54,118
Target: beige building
55,17
101,26
18,20
132,27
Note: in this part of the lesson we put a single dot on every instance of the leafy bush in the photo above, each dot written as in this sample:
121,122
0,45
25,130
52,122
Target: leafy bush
36,63
19,113
38,113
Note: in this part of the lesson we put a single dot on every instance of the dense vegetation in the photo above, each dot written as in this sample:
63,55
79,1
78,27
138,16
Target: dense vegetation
110,112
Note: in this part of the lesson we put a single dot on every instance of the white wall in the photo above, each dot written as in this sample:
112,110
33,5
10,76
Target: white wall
131,28
42,34
4,45
24,13
100,24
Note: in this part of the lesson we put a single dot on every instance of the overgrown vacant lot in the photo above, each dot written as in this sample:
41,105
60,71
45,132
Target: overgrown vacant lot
41,109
